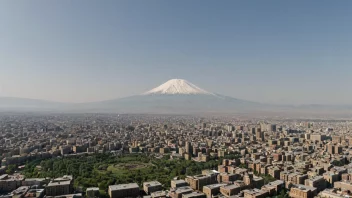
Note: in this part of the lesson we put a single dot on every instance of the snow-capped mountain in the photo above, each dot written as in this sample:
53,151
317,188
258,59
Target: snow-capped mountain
176,96
177,86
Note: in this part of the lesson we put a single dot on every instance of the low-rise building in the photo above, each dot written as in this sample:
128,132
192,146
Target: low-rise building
301,191
330,193
152,186
124,190
178,183
197,182
20,192
255,193
212,189
9,183
178,192
274,188
343,185
159,194
35,193
194,195
92,192
60,186
317,182
34,182
230,190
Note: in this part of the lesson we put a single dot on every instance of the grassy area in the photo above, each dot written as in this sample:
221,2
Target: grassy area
102,170
127,166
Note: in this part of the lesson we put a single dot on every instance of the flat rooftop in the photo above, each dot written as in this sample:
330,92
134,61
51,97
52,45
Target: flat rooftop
232,186
159,194
304,188
65,177
123,186
183,189
35,179
67,196
315,178
21,190
152,183
275,183
212,186
255,191
59,183
180,181
193,194
92,188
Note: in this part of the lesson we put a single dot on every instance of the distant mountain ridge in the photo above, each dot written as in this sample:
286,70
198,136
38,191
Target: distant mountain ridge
174,96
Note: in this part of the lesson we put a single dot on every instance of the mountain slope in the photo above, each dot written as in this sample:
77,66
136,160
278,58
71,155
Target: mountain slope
176,96
177,86
164,103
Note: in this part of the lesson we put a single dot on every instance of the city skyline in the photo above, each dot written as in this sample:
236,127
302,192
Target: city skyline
83,51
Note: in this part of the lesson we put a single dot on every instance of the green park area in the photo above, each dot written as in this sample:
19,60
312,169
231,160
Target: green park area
102,170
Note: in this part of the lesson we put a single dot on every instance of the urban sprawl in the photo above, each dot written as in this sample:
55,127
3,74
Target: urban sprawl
119,156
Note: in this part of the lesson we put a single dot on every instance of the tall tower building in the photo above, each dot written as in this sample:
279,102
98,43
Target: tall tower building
259,136
189,148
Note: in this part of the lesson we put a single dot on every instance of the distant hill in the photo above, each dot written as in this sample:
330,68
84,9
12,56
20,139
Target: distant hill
176,96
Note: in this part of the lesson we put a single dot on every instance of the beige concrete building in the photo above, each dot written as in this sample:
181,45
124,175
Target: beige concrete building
60,186
197,182
194,195
212,189
10,182
178,183
301,191
124,190
152,186
316,182
274,188
230,190
178,192
255,193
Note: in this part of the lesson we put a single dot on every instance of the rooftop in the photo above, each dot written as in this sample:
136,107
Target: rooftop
92,188
59,183
152,183
212,186
159,194
193,194
180,181
123,186
254,191
232,186
304,188
183,189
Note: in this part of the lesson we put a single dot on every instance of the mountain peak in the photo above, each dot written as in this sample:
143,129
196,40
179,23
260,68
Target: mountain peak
177,86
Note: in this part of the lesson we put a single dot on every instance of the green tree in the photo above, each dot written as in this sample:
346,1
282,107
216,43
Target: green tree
11,169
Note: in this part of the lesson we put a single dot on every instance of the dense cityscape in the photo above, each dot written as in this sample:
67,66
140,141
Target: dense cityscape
175,99
56,155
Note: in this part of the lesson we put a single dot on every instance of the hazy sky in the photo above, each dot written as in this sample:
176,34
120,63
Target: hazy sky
268,51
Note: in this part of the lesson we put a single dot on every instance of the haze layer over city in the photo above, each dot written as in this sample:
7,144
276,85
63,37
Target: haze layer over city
175,99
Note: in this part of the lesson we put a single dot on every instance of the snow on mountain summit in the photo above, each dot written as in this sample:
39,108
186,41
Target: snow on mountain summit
177,86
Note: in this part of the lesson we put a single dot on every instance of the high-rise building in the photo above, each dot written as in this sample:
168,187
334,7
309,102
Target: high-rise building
189,148
272,127
259,135
331,149
338,149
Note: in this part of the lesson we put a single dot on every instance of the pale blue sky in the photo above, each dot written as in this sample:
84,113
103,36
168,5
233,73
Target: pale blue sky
267,51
